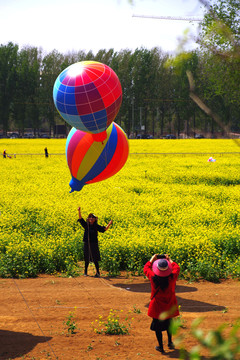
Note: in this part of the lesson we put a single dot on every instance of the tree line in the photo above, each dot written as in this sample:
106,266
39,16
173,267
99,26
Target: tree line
156,86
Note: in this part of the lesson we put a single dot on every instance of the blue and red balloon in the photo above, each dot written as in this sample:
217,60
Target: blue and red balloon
91,161
88,96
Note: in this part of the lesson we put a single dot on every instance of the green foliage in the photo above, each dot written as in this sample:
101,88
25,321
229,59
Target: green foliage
113,325
136,310
70,323
8,63
219,39
220,27
219,345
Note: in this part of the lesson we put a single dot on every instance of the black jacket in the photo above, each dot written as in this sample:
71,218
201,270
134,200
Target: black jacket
92,230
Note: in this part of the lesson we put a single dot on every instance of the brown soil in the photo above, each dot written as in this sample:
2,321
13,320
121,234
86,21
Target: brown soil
33,312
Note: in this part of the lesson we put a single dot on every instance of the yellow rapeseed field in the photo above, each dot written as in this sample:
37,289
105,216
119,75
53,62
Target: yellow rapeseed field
167,199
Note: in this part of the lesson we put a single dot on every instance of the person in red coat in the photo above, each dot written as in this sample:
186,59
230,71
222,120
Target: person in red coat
162,273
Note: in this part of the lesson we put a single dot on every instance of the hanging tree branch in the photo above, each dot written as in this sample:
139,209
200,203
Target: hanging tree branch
205,108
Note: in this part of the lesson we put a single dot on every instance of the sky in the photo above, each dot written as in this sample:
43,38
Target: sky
73,25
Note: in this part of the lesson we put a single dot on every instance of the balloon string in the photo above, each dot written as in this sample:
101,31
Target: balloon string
28,307
89,246
89,292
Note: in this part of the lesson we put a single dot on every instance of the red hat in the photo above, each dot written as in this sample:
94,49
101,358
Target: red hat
162,267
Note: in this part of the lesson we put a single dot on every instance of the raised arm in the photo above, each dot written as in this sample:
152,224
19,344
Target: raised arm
175,266
108,225
148,267
79,213
168,258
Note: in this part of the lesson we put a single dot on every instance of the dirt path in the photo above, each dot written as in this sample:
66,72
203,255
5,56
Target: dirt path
32,312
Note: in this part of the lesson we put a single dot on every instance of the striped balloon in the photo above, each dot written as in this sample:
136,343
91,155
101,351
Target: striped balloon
91,161
88,96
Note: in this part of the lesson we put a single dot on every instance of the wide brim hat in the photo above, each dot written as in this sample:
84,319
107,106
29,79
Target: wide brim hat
162,267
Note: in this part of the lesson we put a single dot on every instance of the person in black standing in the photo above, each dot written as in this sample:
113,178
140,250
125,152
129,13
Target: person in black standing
46,152
90,239
4,154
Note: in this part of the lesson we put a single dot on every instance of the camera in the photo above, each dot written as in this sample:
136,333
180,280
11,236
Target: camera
162,256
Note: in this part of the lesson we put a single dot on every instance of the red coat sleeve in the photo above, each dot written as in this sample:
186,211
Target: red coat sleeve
148,270
175,270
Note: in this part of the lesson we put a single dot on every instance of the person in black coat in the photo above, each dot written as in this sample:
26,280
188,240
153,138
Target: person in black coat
90,239
46,152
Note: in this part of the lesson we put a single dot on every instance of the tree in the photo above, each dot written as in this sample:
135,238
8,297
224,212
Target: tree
183,106
220,27
105,56
123,66
220,43
143,87
8,66
26,107
52,65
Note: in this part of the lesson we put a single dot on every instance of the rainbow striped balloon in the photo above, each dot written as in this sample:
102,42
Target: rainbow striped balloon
88,96
91,161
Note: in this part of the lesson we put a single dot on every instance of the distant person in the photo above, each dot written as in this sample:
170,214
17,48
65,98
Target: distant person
5,155
46,152
162,273
90,239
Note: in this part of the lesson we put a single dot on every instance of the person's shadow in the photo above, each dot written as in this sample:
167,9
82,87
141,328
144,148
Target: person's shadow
181,354
187,305
15,344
